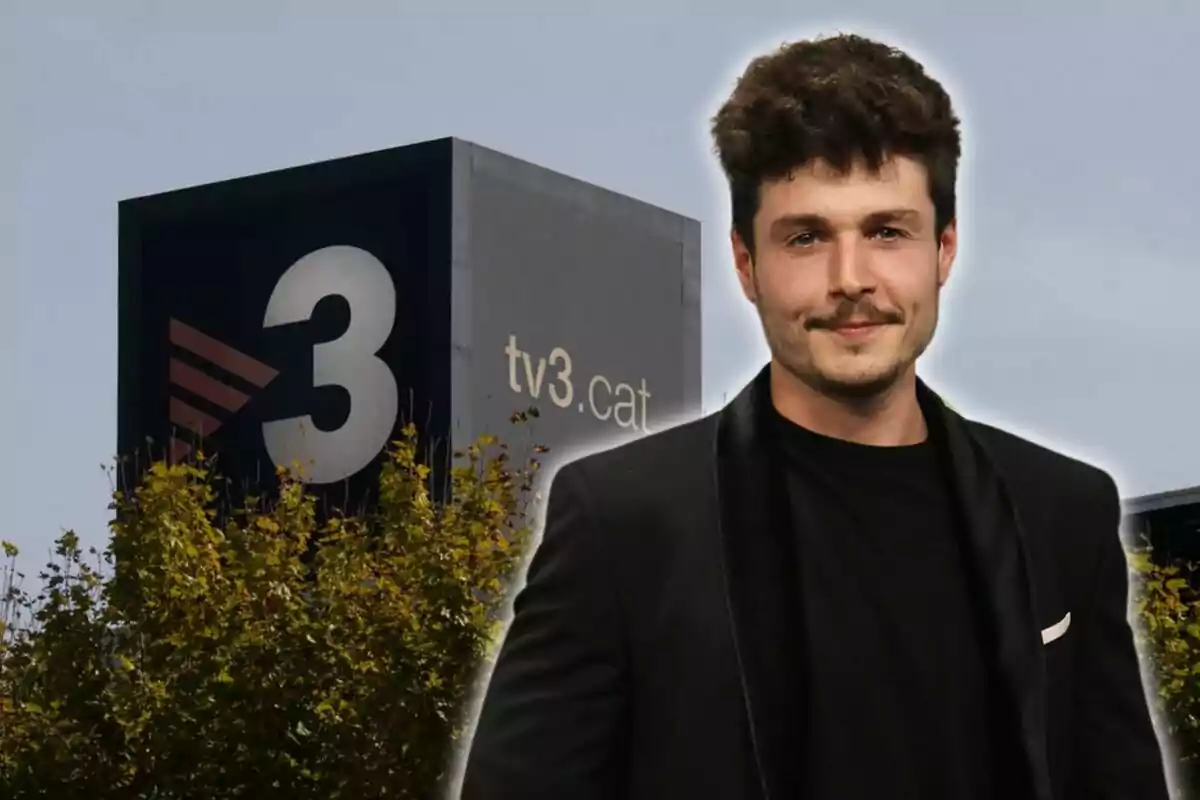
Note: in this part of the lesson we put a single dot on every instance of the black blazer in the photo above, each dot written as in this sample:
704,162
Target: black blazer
649,657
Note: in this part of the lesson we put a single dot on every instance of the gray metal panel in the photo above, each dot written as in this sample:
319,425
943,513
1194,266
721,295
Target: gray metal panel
587,198
572,274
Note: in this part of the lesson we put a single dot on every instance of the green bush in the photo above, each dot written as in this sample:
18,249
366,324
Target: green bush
266,654
1166,619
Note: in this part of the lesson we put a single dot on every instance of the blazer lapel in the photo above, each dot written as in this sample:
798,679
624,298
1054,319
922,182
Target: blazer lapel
763,598
999,565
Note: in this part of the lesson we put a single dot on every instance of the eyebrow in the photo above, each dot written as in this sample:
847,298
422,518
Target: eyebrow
791,222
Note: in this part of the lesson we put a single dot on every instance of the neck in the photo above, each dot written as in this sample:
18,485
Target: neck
891,418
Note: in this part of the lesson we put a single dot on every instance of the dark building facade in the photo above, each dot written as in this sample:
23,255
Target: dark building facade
1168,521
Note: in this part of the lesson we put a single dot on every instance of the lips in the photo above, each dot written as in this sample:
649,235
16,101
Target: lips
855,330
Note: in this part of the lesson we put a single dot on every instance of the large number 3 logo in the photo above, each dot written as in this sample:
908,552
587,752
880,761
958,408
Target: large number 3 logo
350,361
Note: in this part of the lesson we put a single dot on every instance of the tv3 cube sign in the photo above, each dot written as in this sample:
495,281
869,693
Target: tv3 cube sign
349,361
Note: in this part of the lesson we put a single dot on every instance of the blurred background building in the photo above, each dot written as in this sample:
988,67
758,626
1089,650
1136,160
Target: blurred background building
1168,521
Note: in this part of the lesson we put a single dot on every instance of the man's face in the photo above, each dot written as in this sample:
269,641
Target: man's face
846,272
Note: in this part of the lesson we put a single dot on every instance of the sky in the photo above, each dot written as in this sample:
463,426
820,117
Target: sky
1070,318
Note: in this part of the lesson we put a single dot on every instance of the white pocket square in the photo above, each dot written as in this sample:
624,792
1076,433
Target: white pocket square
1057,629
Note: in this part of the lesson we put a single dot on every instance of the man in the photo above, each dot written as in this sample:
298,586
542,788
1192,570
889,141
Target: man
836,587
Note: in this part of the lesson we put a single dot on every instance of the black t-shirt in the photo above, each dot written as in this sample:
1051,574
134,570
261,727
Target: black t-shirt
900,699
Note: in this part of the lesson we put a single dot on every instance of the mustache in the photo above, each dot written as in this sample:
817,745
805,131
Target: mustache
858,312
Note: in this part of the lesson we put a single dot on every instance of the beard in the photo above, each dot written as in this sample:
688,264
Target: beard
854,388
850,372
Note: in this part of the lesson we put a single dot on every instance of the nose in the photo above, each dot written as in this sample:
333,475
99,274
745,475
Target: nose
850,273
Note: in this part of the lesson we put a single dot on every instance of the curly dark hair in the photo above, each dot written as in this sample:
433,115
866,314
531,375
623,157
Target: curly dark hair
840,99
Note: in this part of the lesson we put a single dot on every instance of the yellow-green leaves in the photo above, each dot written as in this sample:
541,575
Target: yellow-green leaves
1167,625
264,653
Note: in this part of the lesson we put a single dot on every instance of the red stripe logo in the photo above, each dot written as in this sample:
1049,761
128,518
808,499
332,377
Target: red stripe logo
204,385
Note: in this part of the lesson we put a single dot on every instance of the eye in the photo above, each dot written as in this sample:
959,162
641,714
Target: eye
803,239
890,234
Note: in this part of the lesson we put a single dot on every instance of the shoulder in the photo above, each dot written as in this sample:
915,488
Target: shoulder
1046,476
656,465
650,496
681,446
1069,509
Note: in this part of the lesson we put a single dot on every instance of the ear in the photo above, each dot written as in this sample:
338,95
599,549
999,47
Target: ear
947,250
743,262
